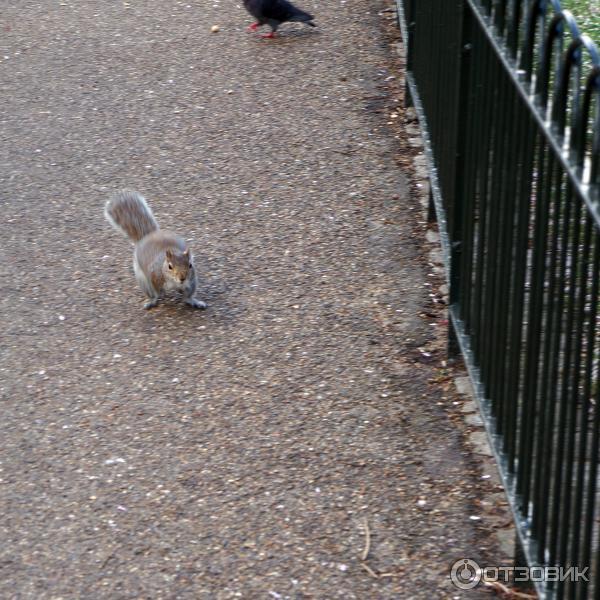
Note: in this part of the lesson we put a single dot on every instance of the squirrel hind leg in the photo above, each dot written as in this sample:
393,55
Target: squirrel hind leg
195,303
152,302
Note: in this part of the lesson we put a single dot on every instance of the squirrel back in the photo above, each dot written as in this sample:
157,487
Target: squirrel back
128,212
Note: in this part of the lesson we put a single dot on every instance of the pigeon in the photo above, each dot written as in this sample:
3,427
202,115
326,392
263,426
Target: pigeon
274,13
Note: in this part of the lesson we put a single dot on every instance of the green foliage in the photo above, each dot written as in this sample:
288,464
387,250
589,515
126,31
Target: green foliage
587,13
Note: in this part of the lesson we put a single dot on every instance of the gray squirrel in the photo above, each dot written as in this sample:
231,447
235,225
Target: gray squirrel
162,260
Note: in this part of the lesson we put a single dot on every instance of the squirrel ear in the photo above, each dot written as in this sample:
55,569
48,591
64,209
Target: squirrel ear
169,254
186,252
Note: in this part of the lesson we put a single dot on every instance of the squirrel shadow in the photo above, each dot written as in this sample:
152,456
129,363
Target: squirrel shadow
220,309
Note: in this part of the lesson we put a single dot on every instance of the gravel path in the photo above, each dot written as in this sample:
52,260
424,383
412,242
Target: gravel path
238,451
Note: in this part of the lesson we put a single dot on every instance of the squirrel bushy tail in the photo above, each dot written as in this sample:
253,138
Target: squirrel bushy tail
128,212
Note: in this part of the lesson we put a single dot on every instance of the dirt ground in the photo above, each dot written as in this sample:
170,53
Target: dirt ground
244,451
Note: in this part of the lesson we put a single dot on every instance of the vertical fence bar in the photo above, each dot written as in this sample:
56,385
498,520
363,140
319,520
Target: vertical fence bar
577,455
554,303
488,352
518,300
487,90
507,264
589,491
561,470
462,205
531,410
471,123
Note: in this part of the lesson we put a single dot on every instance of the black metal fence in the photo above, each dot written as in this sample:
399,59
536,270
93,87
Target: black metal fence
507,93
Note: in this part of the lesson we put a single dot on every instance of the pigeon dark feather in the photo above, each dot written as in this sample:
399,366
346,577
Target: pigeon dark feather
274,13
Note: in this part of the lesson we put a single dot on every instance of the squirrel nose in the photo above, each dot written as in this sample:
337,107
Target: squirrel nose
182,279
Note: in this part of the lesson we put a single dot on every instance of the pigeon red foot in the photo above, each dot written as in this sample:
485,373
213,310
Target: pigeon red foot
253,27
268,35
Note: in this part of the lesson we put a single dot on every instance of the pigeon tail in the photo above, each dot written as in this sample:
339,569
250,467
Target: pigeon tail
303,17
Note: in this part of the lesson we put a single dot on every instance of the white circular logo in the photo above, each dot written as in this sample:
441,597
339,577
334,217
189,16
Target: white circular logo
465,574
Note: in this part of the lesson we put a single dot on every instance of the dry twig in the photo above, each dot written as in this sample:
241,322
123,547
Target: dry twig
367,540
508,592
365,554
368,569
105,561
372,573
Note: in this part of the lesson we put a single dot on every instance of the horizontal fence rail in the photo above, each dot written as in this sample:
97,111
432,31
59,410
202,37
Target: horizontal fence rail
507,93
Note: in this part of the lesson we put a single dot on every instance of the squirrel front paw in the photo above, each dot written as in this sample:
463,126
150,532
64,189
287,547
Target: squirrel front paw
195,303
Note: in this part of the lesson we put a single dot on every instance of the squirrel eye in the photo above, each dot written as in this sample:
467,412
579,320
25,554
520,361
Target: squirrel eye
191,265
170,267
